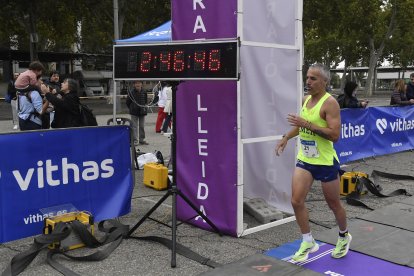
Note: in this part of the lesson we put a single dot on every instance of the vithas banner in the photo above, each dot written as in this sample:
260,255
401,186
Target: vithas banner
87,168
375,131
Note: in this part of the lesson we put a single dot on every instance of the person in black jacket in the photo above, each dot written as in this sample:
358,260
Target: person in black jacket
67,113
136,102
410,88
349,99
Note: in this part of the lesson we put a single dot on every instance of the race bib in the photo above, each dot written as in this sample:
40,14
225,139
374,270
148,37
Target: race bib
309,148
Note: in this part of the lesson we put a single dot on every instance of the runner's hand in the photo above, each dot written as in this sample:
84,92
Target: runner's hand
280,147
296,121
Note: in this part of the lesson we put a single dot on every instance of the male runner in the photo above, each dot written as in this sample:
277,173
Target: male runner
318,126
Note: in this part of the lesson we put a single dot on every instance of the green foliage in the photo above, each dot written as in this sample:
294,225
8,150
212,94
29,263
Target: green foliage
336,30
57,23
399,49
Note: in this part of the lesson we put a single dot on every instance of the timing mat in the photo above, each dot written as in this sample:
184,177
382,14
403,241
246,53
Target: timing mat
354,263
381,245
386,233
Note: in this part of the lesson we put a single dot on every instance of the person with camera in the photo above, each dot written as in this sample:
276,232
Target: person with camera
66,104
318,126
136,102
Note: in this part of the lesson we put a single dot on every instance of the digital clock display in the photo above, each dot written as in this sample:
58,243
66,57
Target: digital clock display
177,61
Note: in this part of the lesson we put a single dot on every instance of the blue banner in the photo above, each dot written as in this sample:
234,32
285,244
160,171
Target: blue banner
89,168
375,131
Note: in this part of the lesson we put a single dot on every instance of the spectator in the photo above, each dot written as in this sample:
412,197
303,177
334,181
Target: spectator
349,99
162,100
29,79
67,113
30,105
53,81
399,96
410,88
168,111
136,102
11,91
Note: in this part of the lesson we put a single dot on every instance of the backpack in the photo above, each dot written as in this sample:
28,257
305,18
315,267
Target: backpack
26,93
87,116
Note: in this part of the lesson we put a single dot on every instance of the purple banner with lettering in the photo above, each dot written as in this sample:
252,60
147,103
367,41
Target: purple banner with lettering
207,121
206,126
210,19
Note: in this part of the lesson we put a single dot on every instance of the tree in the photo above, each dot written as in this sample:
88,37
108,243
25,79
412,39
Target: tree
54,22
382,16
399,49
135,16
87,23
357,33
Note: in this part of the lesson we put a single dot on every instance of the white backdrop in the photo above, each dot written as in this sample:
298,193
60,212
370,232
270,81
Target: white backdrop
270,88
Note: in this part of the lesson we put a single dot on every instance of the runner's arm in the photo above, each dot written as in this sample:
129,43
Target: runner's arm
333,119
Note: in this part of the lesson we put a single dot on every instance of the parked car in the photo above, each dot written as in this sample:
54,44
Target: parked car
91,88
89,83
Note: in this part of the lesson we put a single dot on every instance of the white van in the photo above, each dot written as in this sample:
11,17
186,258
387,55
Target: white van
91,88
89,83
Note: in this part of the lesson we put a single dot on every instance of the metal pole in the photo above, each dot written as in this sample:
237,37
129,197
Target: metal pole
116,36
116,27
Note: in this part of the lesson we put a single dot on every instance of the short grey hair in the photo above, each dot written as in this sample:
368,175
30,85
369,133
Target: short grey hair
325,72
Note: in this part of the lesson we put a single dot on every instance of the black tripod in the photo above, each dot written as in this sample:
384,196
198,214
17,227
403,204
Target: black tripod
174,191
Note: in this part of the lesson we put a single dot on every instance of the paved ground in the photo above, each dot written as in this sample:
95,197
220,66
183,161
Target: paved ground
149,258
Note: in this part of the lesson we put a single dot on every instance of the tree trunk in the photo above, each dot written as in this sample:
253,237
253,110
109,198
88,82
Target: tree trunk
33,35
375,54
343,79
373,59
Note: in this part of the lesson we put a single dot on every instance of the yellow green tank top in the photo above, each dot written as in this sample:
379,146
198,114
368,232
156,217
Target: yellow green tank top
314,149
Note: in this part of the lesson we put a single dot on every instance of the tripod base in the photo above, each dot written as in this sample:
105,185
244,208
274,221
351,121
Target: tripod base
174,192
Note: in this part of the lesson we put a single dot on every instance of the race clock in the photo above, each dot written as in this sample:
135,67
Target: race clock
190,60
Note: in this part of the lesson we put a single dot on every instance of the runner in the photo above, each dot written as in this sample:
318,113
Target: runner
318,126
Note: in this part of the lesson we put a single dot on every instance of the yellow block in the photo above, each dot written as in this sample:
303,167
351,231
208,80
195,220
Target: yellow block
72,241
349,181
155,176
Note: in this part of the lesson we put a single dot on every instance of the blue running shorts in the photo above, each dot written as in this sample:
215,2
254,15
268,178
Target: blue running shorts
321,172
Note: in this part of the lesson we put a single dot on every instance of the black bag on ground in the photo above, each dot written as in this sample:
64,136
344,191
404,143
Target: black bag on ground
87,116
159,156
